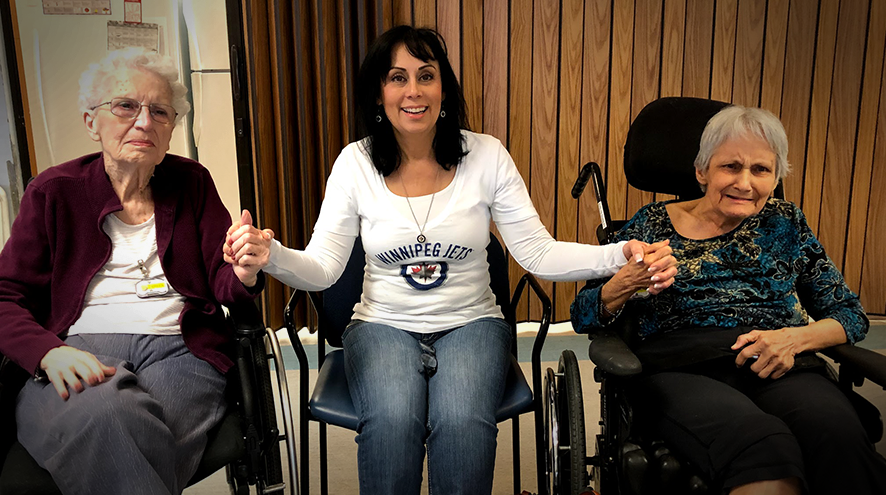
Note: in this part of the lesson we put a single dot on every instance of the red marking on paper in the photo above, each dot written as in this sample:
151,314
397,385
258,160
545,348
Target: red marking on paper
132,11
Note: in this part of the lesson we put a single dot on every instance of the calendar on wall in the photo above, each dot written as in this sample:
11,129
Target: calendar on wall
77,7
123,35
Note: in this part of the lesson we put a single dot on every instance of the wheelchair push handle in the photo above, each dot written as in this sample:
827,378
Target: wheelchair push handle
584,175
592,171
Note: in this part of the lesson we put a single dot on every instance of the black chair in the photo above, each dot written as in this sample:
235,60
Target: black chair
331,401
659,155
245,442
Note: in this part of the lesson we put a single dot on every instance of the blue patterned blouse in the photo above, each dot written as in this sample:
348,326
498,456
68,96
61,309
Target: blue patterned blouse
769,273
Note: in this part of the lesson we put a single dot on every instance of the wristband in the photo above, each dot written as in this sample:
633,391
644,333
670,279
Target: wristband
607,316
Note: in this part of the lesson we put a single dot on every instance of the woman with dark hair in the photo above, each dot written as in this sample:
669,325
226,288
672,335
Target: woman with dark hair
425,45
420,189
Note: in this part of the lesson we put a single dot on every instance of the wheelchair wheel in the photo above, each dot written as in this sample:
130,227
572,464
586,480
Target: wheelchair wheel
565,428
551,434
572,429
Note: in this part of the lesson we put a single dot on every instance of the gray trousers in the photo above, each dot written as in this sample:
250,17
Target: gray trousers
143,431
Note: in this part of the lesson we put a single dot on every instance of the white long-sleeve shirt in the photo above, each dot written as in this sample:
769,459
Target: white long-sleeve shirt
444,282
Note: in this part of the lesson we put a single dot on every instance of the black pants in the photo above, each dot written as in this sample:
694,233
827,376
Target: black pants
738,428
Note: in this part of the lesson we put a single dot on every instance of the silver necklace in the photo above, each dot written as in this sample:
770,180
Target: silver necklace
421,229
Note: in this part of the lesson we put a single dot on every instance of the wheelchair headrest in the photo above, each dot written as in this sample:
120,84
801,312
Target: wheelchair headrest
662,144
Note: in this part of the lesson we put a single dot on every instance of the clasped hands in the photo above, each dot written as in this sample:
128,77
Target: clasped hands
650,266
247,249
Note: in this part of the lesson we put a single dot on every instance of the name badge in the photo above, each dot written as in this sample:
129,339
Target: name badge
151,288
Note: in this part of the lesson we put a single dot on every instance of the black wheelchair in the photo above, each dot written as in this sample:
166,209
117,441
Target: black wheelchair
331,404
629,459
246,442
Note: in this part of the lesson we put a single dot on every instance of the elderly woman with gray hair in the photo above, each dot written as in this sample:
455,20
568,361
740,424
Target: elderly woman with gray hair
730,376
110,292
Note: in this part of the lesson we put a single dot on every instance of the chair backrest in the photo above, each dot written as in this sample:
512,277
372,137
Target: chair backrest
662,144
498,278
336,304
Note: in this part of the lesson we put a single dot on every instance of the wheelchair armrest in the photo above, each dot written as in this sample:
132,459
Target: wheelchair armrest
249,332
247,320
255,400
859,363
537,405
297,346
611,354
542,334
294,300
289,322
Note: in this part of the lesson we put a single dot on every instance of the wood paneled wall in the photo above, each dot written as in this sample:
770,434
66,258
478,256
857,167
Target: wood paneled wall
559,82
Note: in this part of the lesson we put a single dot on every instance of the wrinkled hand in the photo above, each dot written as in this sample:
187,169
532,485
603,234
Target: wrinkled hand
650,266
65,366
247,249
773,351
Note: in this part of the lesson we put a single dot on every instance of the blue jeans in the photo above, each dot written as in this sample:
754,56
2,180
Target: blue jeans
439,389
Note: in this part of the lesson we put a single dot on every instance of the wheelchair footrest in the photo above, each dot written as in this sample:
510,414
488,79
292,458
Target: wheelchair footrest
278,488
654,469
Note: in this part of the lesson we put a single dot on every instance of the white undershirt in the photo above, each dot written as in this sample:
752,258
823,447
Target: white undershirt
111,304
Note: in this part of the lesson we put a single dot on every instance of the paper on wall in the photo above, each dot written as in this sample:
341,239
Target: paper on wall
123,35
76,7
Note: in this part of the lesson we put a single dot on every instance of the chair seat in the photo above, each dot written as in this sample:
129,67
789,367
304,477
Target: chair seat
224,445
331,400
21,475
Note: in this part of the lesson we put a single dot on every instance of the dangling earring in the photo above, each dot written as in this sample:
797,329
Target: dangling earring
442,114
378,118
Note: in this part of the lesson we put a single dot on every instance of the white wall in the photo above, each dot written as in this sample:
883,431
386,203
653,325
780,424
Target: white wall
10,180
5,157
5,143
213,113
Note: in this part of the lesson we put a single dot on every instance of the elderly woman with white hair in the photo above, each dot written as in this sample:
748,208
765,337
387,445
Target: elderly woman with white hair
730,377
110,292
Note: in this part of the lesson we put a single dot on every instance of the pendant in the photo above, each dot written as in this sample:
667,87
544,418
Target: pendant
421,238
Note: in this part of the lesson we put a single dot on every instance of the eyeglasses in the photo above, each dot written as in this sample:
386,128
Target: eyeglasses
127,108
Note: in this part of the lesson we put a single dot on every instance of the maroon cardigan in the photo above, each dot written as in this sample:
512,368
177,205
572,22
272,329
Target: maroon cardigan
57,245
